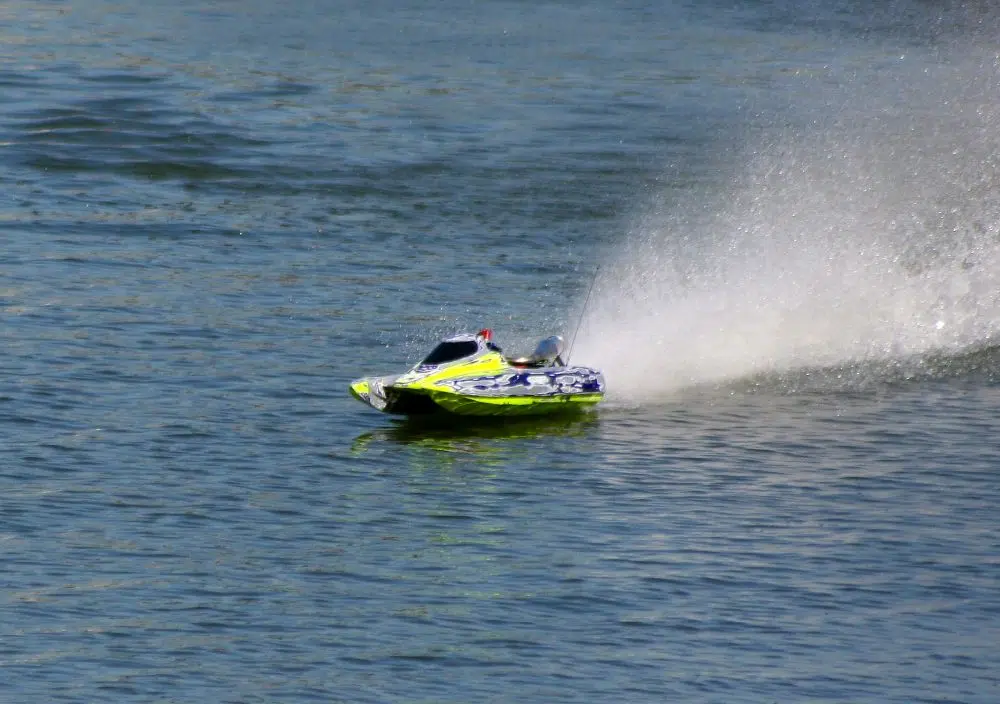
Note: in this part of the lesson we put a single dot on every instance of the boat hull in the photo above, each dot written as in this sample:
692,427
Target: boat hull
513,405
482,382
513,393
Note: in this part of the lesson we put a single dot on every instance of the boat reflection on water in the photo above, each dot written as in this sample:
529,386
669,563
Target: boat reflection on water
471,435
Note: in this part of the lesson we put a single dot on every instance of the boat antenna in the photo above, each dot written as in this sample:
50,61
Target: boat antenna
583,312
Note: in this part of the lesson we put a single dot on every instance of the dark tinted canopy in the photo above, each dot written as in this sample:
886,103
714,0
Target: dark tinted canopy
450,351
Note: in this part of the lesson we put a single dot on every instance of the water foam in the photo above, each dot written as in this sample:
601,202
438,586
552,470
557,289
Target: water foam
872,234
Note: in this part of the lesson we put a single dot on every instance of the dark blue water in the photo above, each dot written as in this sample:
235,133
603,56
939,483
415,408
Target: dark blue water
214,215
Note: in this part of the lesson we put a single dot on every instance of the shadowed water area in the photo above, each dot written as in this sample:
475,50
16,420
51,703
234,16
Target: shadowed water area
215,215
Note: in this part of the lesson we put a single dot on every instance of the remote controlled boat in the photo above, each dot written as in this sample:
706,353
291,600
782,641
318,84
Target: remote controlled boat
469,375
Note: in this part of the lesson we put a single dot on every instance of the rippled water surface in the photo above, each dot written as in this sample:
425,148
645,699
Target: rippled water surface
214,215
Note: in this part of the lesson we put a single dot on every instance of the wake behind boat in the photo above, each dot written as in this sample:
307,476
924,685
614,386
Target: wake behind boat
468,375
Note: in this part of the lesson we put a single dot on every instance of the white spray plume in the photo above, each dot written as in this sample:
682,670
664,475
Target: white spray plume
875,234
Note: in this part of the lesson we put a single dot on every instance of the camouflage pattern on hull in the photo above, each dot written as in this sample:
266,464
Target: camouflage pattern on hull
523,406
480,381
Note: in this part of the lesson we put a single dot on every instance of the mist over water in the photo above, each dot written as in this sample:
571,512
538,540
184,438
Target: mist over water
860,223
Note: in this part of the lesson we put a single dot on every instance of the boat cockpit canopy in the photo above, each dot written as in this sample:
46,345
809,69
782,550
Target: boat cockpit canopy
450,351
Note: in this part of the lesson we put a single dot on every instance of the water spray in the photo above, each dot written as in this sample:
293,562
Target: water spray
863,236
583,312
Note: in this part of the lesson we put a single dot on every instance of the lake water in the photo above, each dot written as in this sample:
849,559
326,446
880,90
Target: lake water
214,215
